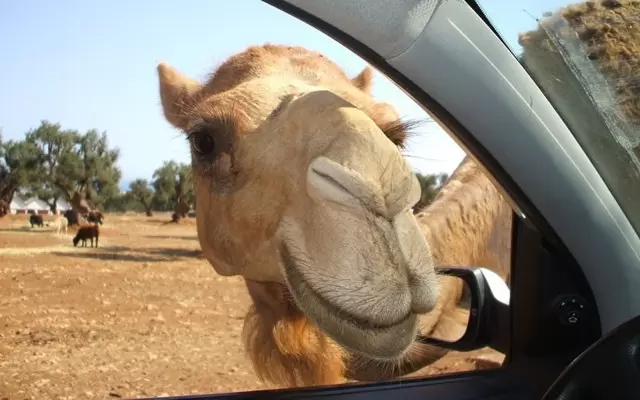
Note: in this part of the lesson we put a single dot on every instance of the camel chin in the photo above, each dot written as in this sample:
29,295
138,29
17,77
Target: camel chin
382,342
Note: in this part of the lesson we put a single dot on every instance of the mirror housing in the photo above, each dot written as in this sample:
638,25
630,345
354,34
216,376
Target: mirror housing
489,314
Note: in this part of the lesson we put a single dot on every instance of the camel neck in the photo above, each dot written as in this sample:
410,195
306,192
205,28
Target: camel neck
465,218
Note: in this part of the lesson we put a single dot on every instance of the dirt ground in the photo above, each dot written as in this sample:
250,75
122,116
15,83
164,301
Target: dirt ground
142,315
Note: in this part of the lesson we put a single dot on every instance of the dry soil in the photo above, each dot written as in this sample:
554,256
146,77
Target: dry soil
142,315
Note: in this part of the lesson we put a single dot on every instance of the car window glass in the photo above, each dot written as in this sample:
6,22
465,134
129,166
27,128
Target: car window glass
114,258
584,57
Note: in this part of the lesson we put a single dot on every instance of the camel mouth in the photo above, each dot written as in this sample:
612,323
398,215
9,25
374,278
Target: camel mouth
376,341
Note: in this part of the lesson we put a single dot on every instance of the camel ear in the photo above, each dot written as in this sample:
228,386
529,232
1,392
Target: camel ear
364,80
176,91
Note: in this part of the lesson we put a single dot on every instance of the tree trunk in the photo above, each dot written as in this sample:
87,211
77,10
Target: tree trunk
147,208
6,196
181,210
4,208
181,207
53,206
79,207
71,216
79,203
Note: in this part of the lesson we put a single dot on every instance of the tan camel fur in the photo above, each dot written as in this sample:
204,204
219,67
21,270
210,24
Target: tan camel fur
60,224
302,190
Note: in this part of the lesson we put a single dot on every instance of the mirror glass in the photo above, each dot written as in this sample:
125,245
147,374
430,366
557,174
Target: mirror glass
459,319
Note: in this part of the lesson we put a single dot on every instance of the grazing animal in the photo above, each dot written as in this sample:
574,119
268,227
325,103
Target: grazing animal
95,217
306,165
60,224
87,232
36,220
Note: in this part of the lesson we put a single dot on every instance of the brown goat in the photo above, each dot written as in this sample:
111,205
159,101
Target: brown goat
87,232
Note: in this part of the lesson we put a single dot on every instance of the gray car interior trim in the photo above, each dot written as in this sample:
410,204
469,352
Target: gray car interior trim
403,20
458,61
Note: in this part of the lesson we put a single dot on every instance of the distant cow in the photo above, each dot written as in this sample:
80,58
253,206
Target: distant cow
36,220
60,224
95,217
86,232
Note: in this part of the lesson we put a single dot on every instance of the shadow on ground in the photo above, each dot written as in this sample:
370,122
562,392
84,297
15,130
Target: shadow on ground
121,253
171,237
24,229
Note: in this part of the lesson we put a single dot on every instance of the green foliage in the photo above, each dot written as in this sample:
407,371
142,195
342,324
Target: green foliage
430,185
19,162
98,175
55,149
122,202
18,167
53,163
140,191
166,179
73,162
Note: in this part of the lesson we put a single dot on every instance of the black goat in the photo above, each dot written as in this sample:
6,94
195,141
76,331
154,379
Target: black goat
36,220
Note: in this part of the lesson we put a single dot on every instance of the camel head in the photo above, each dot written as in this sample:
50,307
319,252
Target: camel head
300,182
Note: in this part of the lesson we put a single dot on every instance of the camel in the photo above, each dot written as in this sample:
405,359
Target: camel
302,190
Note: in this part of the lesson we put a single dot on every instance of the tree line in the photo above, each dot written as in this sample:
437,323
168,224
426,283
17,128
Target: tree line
52,163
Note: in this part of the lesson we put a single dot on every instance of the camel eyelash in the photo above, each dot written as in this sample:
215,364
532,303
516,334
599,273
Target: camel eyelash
225,124
400,129
193,128
189,135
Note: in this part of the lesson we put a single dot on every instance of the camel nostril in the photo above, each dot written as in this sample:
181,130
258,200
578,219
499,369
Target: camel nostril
329,180
330,188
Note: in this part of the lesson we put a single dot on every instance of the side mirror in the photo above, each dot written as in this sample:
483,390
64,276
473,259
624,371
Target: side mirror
488,302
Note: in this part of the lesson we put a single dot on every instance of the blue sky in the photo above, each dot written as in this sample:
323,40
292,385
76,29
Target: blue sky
91,64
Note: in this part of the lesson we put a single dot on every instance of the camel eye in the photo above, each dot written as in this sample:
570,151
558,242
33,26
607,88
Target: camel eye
202,143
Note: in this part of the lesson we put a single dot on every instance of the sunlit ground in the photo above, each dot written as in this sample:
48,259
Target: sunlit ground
142,315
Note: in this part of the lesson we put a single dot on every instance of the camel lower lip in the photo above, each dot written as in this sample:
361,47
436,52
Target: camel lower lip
342,315
384,342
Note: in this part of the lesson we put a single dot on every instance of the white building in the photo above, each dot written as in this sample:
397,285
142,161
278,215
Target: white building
36,206
62,205
17,205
